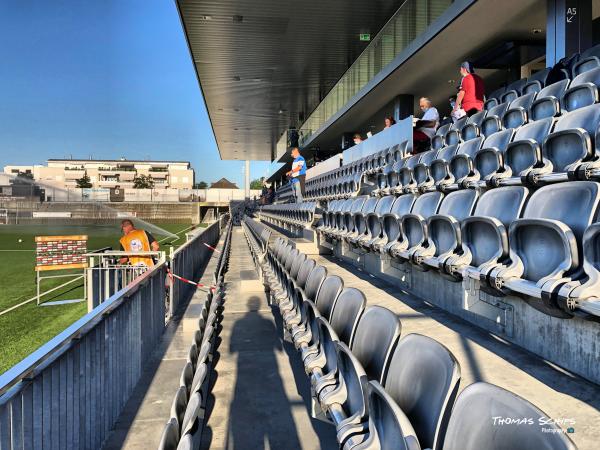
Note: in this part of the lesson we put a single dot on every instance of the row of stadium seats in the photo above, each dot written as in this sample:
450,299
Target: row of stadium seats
183,430
292,215
522,102
345,181
542,245
382,391
576,65
257,236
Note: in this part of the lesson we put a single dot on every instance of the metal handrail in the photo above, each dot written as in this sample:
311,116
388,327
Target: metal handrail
58,344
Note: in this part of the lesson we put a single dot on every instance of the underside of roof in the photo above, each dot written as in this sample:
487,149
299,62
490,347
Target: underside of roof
264,65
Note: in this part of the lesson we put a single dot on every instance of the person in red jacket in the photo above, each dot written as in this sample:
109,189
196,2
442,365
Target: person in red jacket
471,91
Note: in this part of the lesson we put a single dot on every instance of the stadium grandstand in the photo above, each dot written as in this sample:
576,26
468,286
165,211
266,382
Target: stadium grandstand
415,294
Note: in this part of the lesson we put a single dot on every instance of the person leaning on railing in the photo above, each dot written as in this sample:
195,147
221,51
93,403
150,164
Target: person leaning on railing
135,240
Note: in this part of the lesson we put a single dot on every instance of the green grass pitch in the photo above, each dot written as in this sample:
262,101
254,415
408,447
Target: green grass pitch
26,328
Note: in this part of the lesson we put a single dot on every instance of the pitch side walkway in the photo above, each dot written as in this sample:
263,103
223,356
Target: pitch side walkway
141,423
484,357
260,398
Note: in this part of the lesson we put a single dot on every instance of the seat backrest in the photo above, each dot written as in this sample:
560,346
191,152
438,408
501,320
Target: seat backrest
583,90
376,335
516,115
574,203
314,281
459,204
470,147
588,60
403,204
427,204
346,313
423,380
542,109
537,81
499,140
170,436
328,294
385,205
389,428
481,419
305,269
358,203
521,155
505,203
296,265
563,148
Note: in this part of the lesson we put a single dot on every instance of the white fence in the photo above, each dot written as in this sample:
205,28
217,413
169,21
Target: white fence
146,195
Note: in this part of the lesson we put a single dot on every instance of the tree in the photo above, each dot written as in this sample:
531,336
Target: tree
201,185
257,184
143,182
84,181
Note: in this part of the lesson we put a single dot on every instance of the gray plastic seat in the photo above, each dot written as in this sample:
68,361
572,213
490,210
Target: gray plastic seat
571,148
423,381
472,425
192,412
391,222
405,175
186,443
322,362
199,378
584,296
178,406
439,168
170,436
187,375
375,223
589,59
536,82
493,120
484,235
518,112
545,245
375,338
513,90
389,428
360,221
460,165
293,317
421,171
443,234
493,99
583,90
472,128
521,154
348,222
411,224
438,139
328,293
453,135
547,101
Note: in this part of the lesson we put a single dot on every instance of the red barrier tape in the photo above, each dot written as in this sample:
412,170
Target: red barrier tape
185,280
212,248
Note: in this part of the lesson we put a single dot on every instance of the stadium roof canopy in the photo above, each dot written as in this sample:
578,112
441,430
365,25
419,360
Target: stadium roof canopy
264,65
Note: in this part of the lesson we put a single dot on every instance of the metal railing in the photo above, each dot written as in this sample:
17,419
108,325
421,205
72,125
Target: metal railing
70,392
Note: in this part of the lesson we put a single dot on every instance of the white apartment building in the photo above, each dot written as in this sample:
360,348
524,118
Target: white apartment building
64,173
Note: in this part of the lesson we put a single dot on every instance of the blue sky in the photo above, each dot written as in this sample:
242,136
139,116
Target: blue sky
106,78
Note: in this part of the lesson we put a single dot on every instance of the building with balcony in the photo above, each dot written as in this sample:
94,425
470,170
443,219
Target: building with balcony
64,173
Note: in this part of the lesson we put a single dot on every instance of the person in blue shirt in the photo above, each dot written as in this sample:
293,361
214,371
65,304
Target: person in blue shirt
298,174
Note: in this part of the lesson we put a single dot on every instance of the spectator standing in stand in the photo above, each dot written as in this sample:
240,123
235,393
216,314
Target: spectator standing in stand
389,121
471,92
297,174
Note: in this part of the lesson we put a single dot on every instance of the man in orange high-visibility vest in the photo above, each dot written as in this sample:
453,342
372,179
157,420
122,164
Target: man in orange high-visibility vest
135,240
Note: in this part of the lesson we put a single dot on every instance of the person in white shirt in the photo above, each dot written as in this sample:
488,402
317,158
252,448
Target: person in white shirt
425,127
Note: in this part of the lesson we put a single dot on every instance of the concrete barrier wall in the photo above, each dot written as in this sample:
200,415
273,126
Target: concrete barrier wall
568,343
